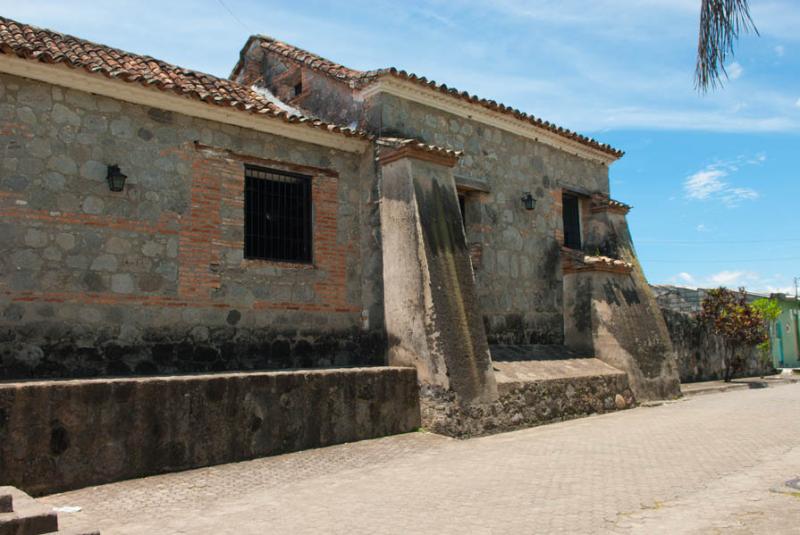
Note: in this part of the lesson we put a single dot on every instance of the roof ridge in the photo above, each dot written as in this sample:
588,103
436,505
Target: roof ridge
101,45
309,58
47,46
357,78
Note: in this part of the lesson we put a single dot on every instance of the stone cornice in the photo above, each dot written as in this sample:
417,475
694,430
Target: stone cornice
447,103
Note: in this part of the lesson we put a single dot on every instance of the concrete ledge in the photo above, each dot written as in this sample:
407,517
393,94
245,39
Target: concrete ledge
28,516
61,435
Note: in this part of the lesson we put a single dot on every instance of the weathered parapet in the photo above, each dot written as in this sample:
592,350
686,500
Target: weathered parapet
432,317
609,308
59,435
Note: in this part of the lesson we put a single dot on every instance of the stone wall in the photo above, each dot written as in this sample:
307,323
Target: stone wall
510,247
699,353
153,279
527,404
609,315
519,249
60,435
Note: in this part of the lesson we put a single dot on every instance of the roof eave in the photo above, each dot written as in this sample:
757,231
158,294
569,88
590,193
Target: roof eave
73,77
439,99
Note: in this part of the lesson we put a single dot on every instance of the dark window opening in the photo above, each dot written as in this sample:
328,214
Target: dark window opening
277,215
462,205
572,221
298,88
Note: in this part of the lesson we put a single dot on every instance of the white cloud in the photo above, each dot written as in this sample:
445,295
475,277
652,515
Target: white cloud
726,278
711,184
585,78
734,279
733,197
734,70
702,228
780,51
730,278
703,184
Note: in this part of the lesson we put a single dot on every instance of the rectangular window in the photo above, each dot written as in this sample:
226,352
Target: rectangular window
277,215
462,205
572,220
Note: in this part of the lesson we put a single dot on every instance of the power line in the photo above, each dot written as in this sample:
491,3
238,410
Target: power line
717,261
232,14
712,242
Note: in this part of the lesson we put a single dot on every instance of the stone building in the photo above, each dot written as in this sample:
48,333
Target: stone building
301,214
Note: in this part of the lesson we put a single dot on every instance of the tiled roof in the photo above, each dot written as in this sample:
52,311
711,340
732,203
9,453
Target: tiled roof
46,46
573,261
399,142
363,78
603,204
607,261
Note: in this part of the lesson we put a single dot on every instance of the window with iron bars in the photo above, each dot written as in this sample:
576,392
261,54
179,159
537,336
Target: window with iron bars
277,215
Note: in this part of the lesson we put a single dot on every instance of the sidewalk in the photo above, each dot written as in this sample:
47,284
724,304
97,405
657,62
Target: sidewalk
702,467
744,383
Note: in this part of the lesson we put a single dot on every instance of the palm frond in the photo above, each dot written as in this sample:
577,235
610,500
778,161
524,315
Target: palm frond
721,22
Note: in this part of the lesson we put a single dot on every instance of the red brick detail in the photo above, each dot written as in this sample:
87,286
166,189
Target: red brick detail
201,231
167,223
105,298
218,183
329,255
476,255
217,187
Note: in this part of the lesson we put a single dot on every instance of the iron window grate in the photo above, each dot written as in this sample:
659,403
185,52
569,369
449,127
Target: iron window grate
277,214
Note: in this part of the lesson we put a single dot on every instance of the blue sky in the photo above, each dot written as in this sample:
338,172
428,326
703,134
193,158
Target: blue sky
712,178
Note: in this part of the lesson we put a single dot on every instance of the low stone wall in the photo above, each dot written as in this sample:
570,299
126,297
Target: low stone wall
526,404
699,353
61,435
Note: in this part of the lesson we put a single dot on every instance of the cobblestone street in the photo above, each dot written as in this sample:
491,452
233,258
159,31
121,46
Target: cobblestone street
700,465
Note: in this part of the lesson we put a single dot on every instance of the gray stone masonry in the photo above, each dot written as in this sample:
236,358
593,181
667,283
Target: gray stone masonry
519,249
59,435
94,282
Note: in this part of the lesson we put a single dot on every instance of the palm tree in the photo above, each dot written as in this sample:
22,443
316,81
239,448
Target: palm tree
721,21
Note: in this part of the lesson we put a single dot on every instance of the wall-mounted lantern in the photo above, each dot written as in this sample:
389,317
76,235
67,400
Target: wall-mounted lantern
116,180
528,201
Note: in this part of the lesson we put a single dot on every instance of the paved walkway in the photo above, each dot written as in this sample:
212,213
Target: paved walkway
711,387
703,465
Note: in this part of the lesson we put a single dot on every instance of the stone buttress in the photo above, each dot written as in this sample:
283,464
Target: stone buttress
610,311
432,319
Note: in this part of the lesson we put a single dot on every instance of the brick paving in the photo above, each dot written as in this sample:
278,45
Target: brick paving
703,465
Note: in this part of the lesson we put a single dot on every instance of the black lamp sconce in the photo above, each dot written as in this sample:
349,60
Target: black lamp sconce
528,201
116,180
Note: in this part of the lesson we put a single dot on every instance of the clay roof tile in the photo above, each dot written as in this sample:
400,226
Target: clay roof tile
364,78
46,46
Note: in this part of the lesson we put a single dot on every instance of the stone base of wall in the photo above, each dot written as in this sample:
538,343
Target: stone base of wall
527,403
67,350
61,435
